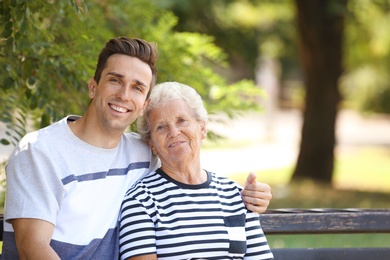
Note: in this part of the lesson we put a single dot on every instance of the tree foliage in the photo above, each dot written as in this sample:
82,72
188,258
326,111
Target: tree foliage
244,29
48,51
366,83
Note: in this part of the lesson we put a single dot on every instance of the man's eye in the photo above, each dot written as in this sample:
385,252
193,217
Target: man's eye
114,80
139,88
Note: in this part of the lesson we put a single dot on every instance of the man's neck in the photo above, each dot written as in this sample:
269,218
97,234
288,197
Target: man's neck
89,131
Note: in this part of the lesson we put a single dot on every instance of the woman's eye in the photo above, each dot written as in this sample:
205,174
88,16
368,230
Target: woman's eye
160,127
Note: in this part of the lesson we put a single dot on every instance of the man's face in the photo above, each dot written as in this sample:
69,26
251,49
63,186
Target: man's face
120,96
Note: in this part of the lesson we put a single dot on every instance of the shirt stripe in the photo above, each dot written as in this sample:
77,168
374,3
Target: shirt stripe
102,175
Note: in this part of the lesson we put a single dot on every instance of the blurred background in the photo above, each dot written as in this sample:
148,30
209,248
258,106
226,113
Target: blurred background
297,91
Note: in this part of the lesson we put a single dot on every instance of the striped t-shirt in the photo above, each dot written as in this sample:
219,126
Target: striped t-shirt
179,221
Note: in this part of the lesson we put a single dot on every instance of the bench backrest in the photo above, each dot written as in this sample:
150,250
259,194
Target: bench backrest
327,221
323,221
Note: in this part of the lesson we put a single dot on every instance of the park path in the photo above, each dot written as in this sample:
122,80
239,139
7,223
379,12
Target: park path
274,139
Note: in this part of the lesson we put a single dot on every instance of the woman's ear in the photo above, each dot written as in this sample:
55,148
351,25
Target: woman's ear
92,87
203,127
154,150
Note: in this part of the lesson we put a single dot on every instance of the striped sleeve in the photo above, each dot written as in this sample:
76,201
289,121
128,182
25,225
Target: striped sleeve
257,245
137,233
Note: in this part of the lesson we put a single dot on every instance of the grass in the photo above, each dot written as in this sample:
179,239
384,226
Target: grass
329,241
361,180
365,169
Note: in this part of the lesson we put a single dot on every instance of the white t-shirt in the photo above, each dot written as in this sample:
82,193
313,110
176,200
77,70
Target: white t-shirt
54,176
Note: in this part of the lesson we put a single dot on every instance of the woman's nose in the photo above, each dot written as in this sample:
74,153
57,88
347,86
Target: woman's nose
174,131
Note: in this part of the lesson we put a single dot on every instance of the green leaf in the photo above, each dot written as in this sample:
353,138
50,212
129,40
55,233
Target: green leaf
45,120
8,83
4,142
27,12
23,26
7,30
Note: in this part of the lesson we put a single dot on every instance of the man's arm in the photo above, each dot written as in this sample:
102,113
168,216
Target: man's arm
33,238
256,195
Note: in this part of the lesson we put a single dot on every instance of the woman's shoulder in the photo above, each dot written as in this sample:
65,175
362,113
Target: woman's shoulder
223,180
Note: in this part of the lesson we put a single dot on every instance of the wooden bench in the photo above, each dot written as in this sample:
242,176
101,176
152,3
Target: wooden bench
323,221
327,221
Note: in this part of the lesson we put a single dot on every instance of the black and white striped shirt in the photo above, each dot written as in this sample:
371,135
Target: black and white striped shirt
179,221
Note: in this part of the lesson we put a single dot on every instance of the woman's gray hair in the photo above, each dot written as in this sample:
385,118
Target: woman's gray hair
166,92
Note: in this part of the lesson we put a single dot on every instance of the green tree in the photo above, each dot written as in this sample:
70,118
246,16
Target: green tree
43,63
341,41
48,50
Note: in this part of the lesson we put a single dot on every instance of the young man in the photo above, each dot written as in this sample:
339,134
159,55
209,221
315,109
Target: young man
66,182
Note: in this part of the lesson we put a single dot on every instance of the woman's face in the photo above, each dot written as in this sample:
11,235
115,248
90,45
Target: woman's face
176,135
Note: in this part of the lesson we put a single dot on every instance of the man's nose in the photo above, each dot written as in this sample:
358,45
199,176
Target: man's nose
124,93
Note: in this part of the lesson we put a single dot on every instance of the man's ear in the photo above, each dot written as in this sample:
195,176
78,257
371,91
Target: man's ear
145,106
92,87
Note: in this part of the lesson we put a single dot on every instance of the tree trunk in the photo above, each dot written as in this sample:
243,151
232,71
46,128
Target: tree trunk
320,29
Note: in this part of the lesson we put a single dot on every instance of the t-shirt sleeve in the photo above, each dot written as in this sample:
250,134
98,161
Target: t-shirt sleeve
257,245
137,230
33,189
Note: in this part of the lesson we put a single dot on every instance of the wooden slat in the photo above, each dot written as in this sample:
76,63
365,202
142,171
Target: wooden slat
326,222
331,253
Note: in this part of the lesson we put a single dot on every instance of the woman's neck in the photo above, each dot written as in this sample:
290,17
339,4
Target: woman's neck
188,175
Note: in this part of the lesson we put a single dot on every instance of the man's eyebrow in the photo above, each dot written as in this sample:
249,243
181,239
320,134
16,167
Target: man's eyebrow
116,74
140,83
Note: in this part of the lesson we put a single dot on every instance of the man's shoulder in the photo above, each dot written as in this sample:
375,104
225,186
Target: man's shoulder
42,134
134,139
138,151
149,180
133,135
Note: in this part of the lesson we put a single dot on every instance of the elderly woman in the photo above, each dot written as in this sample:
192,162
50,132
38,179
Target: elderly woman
182,211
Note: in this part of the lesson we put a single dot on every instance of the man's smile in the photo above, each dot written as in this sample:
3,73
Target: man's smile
119,108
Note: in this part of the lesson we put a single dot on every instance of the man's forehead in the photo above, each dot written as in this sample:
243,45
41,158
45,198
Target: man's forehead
122,66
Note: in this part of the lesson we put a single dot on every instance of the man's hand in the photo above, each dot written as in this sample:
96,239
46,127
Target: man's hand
256,195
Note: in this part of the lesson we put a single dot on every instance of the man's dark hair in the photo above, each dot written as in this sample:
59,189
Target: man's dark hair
141,49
